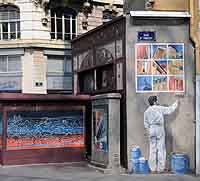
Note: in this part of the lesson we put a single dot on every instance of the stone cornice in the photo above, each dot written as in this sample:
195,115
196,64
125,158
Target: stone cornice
59,44
7,1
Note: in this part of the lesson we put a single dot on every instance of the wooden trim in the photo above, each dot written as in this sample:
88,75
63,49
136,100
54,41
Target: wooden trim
48,155
75,40
40,97
123,137
4,130
47,107
96,66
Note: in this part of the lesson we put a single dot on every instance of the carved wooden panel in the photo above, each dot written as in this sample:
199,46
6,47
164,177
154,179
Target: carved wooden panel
86,60
100,36
105,54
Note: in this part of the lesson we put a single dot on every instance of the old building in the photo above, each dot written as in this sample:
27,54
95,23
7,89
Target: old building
36,77
35,37
145,53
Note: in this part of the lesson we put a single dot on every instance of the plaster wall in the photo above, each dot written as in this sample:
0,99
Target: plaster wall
34,70
180,127
134,5
161,5
30,17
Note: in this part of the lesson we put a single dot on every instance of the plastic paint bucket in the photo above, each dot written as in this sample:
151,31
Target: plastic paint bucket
136,166
179,163
144,167
135,153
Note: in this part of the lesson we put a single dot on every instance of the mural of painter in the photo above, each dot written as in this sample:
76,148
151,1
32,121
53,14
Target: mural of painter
154,124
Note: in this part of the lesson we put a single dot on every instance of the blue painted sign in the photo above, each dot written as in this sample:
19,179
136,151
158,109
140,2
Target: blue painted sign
146,36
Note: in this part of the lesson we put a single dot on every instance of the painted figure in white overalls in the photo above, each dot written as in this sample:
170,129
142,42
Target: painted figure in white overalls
154,124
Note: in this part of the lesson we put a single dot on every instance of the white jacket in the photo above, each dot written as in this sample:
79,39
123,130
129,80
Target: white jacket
154,119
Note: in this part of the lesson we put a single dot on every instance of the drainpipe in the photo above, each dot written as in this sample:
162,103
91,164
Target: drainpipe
194,7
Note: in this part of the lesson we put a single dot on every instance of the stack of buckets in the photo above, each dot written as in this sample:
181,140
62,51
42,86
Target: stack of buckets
179,163
139,164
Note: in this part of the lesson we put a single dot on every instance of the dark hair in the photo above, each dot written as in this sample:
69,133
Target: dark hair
152,100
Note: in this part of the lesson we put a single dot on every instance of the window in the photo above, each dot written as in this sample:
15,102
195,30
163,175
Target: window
59,64
9,22
9,64
10,73
59,72
63,23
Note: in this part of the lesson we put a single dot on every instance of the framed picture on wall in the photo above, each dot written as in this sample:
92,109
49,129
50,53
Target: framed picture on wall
159,67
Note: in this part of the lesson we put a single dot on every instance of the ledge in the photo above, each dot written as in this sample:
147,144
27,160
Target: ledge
42,97
38,43
160,14
107,96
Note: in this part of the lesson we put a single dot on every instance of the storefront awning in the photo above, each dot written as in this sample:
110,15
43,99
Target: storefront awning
160,14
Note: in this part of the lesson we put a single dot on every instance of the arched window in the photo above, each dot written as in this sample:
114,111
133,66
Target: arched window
63,23
9,22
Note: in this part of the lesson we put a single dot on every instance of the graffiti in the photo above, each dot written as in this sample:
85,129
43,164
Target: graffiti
9,85
44,129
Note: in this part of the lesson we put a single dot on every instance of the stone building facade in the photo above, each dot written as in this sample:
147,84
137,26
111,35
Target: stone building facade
35,50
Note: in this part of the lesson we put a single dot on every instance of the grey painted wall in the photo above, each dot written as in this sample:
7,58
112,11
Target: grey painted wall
180,129
134,5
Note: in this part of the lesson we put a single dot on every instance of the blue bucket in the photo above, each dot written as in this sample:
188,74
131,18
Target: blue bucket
144,167
136,166
179,163
135,153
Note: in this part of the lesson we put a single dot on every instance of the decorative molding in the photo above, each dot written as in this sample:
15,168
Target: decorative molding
7,1
149,4
45,21
42,3
112,32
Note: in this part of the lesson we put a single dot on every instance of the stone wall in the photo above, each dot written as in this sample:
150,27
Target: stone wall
31,16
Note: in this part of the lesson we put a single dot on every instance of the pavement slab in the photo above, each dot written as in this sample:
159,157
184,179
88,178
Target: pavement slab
79,171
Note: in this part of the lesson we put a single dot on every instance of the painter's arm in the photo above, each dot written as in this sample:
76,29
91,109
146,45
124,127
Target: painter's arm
146,123
170,109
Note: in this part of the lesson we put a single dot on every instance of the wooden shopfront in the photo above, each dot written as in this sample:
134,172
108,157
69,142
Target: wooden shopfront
99,66
42,128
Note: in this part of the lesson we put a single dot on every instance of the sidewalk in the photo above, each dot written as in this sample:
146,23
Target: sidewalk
76,172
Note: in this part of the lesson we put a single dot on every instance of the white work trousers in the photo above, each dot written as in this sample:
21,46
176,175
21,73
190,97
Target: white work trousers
157,157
